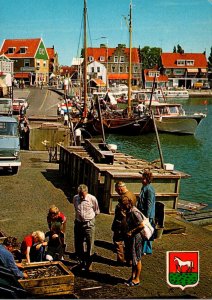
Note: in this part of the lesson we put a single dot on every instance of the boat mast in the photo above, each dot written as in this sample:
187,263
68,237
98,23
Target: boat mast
129,109
85,59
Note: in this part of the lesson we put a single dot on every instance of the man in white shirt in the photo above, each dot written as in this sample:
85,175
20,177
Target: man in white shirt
86,208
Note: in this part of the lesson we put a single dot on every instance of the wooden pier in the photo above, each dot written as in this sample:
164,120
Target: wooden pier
96,166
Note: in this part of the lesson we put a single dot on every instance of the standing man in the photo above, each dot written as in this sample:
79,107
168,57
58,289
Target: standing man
86,208
7,259
119,225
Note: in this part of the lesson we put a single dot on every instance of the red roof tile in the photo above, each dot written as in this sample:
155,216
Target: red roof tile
31,44
169,60
97,52
51,52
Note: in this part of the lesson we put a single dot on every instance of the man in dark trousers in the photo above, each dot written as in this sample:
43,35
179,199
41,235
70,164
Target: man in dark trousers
119,226
86,208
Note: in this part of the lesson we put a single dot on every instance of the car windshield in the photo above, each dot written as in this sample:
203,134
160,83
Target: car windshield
8,128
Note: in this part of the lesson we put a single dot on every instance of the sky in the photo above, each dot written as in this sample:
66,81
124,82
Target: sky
155,23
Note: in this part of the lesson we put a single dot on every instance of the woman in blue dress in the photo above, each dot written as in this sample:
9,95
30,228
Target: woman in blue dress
146,204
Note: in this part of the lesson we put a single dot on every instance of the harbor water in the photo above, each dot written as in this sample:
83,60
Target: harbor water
189,154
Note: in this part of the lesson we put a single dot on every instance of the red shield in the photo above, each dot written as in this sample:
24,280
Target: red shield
182,268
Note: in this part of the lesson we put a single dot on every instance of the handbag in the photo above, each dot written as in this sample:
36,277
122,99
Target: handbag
148,230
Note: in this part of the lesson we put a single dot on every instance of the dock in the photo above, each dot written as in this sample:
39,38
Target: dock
95,165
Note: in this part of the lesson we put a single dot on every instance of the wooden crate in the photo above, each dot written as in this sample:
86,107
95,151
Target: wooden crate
49,286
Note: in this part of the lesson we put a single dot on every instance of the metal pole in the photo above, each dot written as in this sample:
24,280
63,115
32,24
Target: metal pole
129,109
158,140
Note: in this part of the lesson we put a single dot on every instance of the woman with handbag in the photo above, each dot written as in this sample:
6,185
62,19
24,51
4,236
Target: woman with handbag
135,224
146,204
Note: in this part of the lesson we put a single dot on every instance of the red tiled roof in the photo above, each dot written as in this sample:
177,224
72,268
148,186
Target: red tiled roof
161,78
51,52
118,76
31,44
169,60
97,52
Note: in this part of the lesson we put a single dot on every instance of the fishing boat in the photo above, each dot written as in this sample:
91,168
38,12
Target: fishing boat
124,121
172,118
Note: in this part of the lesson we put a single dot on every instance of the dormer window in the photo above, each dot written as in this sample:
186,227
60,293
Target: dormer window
90,58
190,62
153,74
23,50
102,58
11,50
181,62
121,58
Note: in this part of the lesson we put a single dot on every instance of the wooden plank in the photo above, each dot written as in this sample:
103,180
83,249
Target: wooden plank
56,289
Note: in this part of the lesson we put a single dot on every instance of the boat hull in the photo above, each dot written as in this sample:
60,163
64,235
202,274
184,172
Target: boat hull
178,125
125,126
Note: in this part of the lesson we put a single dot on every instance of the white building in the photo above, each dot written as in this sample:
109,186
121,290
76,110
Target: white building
6,74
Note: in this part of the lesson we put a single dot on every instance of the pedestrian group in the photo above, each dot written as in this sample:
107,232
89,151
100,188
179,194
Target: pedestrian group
128,225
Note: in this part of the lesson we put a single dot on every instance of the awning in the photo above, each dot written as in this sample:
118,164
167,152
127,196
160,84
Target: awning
22,75
192,70
204,70
118,76
98,82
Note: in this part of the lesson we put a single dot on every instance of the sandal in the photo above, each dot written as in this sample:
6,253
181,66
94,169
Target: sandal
131,283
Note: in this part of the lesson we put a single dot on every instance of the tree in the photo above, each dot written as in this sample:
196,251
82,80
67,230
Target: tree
180,49
150,57
210,59
174,49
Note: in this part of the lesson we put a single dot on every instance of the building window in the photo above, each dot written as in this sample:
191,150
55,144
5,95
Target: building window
154,74
113,69
116,59
90,58
181,62
44,63
121,58
26,63
92,69
168,72
102,58
98,69
179,71
190,62
41,51
11,50
23,50
121,69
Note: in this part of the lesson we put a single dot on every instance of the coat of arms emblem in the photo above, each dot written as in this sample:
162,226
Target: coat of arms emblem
182,268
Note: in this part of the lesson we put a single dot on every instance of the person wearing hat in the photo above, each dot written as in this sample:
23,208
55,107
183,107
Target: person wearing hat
119,225
7,259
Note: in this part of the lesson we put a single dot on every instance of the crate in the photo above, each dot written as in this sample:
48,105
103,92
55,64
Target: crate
48,286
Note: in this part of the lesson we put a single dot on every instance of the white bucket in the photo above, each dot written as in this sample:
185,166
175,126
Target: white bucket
112,147
169,167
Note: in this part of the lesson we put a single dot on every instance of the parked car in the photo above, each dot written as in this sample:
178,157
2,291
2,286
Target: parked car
18,103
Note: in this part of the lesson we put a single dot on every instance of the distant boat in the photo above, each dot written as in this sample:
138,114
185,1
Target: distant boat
171,93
